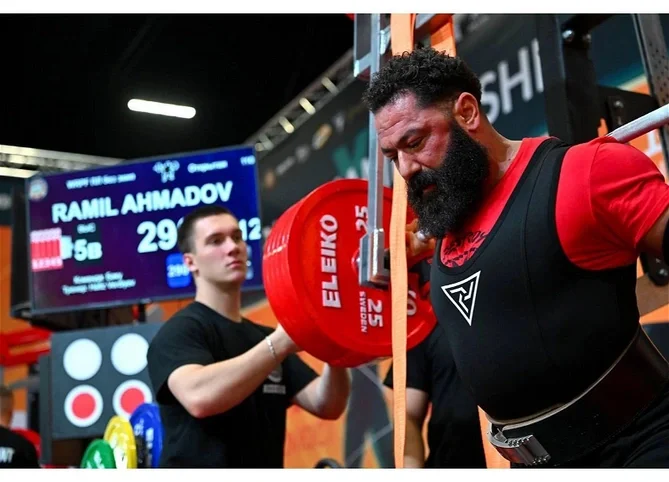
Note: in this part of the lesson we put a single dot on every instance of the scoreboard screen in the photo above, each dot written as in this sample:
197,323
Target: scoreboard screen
106,237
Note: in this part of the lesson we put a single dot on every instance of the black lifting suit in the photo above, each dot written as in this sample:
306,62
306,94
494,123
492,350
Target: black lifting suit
530,330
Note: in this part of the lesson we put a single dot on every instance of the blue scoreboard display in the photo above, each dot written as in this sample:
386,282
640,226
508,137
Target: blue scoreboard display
107,237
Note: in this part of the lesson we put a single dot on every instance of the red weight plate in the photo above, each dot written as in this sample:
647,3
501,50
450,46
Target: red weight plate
281,294
306,331
274,257
294,319
318,343
322,246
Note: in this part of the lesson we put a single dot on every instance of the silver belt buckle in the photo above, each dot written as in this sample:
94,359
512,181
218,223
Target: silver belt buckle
521,450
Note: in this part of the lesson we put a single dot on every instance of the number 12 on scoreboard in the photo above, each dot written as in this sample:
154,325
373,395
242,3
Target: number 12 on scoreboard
165,231
250,229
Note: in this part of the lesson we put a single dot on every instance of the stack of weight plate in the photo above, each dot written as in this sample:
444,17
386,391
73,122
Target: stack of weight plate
116,449
121,439
311,278
98,455
148,430
128,444
291,272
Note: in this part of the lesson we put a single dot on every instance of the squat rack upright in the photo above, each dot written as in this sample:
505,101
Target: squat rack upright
575,103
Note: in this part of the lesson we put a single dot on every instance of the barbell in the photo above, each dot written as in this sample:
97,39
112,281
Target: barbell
311,271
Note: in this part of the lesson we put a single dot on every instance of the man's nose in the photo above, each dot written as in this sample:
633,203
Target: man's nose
407,166
231,246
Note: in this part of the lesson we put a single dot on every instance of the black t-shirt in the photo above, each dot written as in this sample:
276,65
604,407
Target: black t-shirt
16,452
250,435
454,430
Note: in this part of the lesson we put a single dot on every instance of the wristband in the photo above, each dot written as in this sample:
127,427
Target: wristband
271,348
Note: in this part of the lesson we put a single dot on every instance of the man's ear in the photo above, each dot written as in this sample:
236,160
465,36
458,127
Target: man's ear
189,261
466,112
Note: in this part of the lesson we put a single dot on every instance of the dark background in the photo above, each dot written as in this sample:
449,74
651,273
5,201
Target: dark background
67,78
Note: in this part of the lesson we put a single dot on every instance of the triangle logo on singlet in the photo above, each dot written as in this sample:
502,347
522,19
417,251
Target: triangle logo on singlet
463,295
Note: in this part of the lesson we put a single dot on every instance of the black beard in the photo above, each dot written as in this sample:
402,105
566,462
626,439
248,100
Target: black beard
457,186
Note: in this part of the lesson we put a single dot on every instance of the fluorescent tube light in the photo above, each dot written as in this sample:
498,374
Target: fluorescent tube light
158,108
308,106
14,172
287,126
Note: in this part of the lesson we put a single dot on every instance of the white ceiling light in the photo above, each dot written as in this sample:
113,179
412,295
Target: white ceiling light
307,106
158,108
287,126
14,172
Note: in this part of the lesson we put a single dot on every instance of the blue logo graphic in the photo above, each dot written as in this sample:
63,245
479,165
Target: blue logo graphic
177,273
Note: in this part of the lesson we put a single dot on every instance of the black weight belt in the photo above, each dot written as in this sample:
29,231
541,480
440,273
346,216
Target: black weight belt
593,418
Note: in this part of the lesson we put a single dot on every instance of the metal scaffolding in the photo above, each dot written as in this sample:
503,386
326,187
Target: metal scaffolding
335,79
25,162
303,106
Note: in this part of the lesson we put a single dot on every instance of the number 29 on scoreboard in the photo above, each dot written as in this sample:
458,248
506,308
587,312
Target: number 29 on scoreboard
163,234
